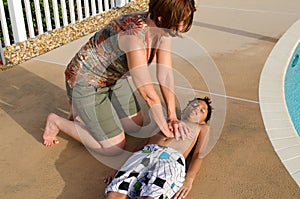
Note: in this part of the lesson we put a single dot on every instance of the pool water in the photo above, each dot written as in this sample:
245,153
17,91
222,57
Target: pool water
292,88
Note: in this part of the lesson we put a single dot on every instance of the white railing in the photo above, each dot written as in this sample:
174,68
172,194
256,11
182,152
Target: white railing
21,25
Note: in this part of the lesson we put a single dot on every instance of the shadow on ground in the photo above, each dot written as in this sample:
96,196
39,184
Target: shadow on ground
27,99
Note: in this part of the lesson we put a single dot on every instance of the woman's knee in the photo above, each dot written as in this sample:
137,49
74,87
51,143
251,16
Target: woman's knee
133,123
137,118
112,146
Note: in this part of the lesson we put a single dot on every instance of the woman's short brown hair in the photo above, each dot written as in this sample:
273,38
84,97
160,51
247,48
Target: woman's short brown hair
172,12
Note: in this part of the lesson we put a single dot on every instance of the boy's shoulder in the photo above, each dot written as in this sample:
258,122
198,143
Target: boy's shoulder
204,126
203,129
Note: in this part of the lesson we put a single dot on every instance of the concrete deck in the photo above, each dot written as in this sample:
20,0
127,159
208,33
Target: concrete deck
239,37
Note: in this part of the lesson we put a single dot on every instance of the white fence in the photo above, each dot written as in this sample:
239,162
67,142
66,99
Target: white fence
25,21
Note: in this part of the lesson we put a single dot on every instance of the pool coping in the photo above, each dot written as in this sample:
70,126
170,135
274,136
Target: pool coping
276,118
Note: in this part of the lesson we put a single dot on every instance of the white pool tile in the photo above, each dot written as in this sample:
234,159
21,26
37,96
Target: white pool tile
288,45
269,98
268,93
270,84
276,116
275,134
276,90
289,153
273,107
296,177
271,78
278,124
292,165
275,76
285,143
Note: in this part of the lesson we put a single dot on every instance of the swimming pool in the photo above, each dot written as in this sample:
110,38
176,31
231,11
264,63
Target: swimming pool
278,89
292,88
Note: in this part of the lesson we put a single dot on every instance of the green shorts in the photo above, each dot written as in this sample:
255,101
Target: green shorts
102,108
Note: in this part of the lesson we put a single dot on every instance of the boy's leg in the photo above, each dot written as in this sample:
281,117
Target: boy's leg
126,180
164,184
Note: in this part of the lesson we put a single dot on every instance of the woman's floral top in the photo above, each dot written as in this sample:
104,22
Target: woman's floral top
100,61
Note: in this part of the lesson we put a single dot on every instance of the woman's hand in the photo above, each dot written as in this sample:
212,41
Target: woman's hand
184,190
167,131
180,129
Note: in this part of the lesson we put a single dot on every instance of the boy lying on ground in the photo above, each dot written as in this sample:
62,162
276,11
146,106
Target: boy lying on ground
158,170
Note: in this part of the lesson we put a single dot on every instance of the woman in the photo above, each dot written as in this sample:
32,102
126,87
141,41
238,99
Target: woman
96,86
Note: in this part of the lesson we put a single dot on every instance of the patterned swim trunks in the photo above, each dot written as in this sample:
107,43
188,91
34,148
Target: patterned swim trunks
153,171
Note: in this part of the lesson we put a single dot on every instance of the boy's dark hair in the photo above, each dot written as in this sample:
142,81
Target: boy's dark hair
172,12
207,100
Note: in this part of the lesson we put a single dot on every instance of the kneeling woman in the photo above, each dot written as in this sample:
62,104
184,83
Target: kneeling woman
103,100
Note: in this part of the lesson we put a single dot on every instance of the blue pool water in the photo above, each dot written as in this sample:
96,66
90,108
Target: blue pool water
292,88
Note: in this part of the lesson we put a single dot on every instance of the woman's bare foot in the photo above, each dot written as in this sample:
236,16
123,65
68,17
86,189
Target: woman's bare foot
51,130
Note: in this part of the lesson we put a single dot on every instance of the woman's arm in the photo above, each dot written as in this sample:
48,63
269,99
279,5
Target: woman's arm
165,78
196,162
137,64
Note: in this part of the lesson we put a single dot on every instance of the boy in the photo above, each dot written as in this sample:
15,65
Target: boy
158,170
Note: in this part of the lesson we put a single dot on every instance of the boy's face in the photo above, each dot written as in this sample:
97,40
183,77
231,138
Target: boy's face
197,111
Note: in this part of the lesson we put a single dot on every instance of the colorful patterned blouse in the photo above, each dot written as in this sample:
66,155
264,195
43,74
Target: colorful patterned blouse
100,61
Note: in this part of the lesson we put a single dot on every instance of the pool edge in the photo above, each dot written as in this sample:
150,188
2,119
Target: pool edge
272,102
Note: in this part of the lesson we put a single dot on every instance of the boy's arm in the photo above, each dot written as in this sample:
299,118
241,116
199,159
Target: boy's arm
199,153
195,164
